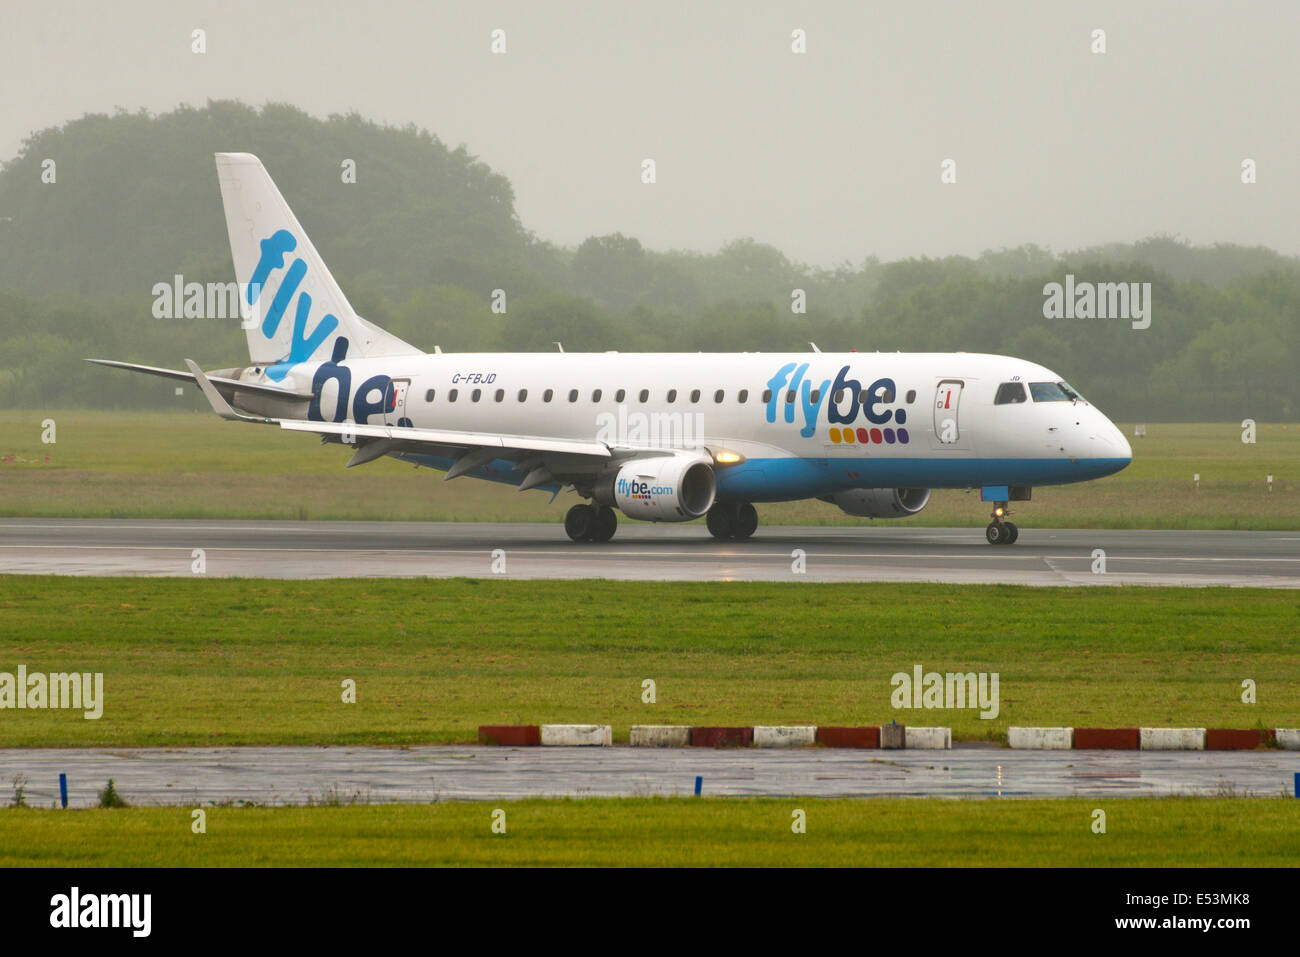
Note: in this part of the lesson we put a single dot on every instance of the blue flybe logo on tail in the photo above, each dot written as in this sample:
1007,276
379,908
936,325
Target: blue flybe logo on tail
301,345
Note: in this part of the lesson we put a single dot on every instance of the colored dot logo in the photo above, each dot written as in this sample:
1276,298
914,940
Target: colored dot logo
847,436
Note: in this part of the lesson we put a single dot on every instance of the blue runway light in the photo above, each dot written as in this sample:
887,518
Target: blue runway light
699,784
63,788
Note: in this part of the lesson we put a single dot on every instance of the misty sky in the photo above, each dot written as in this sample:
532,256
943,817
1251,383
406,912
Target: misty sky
832,155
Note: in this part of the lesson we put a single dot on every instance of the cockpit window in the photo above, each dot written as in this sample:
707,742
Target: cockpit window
1009,392
1051,392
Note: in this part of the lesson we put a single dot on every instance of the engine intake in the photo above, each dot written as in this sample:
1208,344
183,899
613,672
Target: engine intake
665,488
881,502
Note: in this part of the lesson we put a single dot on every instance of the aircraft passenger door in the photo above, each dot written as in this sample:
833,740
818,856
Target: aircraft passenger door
395,404
947,429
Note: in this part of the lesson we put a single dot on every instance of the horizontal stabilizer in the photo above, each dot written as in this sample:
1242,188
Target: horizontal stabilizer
218,381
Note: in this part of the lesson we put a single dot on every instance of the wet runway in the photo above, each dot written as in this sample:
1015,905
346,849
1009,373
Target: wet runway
647,552
295,775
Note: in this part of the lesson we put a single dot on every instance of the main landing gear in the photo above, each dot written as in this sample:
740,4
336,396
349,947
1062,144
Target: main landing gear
1000,532
732,520
591,523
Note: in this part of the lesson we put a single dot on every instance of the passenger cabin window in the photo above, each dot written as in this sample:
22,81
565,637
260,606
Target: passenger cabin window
672,395
742,396
451,396
695,395
814,396
645,395
1009,392
717,396
620,395
523,395
1051,392
789,396
475,394
548,395
911,396
501,394
595,395
428,396
573,395
767,395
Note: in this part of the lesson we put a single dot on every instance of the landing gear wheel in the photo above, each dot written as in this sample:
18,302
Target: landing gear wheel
746,521
604,525
579,523
721,521
1000,532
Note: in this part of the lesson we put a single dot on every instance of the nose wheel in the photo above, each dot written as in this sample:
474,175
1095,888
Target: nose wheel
1001,532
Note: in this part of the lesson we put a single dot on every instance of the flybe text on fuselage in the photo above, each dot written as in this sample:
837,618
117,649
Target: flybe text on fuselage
874,402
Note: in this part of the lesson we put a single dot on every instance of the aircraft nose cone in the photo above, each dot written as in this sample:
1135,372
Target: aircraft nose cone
1127,453
1114,445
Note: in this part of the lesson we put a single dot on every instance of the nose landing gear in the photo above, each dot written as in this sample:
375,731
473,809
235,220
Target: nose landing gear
1000,532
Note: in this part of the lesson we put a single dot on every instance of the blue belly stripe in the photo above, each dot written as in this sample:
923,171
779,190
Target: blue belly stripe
790,479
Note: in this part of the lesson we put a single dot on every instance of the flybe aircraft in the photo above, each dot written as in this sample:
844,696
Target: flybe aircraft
659,437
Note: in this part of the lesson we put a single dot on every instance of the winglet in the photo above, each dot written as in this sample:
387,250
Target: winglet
215,399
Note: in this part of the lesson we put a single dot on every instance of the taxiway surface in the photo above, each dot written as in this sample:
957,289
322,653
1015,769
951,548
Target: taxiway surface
646,552
298,775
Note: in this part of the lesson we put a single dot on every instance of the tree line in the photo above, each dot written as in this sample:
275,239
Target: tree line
427,234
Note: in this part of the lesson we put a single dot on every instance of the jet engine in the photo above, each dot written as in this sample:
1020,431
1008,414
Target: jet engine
663,488
881,502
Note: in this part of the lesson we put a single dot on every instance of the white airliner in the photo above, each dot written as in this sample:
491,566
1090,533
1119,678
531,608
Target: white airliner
662,437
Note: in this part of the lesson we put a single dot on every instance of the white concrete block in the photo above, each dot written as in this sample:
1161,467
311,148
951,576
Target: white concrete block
577,735
661,735
1041,739
1172,739
932,738
784,737
1288,739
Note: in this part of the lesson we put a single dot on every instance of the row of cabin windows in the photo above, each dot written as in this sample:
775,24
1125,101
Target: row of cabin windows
644,395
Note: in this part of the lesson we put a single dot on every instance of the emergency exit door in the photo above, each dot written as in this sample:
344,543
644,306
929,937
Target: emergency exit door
947,414
395,403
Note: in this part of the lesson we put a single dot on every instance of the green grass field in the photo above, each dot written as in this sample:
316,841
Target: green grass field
1146,832
229,661
193,465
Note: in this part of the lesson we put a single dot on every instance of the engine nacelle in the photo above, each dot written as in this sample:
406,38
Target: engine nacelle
661,488
881,502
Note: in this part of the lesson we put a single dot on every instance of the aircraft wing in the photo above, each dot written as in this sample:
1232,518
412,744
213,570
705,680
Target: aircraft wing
442,438
541,460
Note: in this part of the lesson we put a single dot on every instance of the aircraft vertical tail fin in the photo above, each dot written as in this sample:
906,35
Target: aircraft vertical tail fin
294,310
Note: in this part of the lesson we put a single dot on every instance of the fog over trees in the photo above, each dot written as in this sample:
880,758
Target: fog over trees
426,233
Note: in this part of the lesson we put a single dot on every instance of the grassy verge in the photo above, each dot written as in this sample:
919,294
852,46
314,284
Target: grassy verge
193,465
1141,832
222,661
